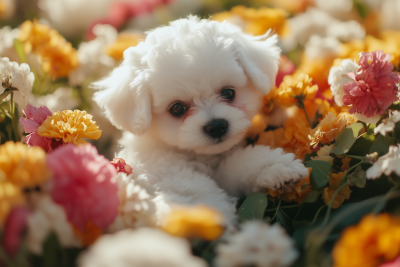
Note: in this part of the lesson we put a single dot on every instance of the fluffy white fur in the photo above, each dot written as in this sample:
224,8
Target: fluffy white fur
191,61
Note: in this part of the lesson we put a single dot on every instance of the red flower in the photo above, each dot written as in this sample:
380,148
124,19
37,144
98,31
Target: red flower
121,166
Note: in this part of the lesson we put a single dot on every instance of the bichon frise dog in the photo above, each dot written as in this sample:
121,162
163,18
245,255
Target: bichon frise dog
185,97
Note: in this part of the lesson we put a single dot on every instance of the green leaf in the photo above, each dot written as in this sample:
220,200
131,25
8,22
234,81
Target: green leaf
284,219
319,174
395,106
370,128
380,145
253,207
391,140
362,8
307,157
347,138
311,197
362,145
52,251
19,48
359,173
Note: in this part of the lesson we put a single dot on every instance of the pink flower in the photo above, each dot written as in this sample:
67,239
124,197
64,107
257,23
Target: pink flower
34,118
374,87
83,185
121,166
14,229
395,263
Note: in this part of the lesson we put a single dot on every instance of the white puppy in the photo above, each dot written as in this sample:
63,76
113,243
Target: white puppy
186,96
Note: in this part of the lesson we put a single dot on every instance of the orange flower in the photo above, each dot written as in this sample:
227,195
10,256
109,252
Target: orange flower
123,42
35,36
89,235
198,221
292,137
345,164
299,193
257,21
330,127
376,239
335,180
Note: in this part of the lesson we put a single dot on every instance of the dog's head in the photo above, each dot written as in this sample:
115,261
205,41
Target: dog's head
195,84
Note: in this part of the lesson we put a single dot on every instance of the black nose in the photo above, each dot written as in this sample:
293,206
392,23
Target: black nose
216,128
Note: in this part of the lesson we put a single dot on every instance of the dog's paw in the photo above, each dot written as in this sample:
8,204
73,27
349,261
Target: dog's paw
282,178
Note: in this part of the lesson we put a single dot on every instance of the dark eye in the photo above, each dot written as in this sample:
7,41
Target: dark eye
228,94
177,109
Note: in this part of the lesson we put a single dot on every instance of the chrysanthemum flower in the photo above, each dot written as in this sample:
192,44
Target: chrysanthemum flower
198,221
10,196
83,185
121,166
123,42
22,165
386,164
34,117
70,127
142,247
335,180
257,244
299,193
330,127
375,240
374,87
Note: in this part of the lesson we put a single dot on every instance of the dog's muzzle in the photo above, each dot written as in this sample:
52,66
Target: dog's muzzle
216,128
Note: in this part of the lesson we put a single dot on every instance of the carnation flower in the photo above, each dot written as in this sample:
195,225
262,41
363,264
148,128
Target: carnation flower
335,181
136,207
394,263
286,67
198,221
121,166
34,118
22,165
47,218
375,85
257,244
386,164
14,229
388,125
10,196
374,240
17,79
338,77
123,42
70,126
83,185
330,127
142,247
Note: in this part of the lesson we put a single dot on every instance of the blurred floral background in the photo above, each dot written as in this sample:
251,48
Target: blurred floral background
345,214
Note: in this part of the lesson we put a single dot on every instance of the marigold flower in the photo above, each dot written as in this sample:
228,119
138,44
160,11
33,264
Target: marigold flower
335,180
70,126
10,196
330,127
121,166
83,184
299,193
374,87
123,42
376,239
198,221
89,235
257,21
35,35
22,165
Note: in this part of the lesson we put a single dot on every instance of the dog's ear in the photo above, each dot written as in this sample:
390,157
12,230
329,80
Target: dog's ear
259,57
125,96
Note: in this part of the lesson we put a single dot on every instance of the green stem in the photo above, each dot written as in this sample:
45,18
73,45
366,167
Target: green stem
354,157
381,203
285,207
316,215
14,124
8,115
277,209
305,113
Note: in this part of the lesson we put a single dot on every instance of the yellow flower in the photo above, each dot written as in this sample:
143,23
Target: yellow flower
123,42
35,36
330,127
198,221
293,88
335,180
376,239
299,193
10,197
22,165
70,126
257,21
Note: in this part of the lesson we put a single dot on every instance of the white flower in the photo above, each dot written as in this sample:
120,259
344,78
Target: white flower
20,77
49,217
388,125
147,247
386,164
61,99
257,244
92,60
338,77
323,154
136,207
7,36
339,8
322,47
346,30
390,11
